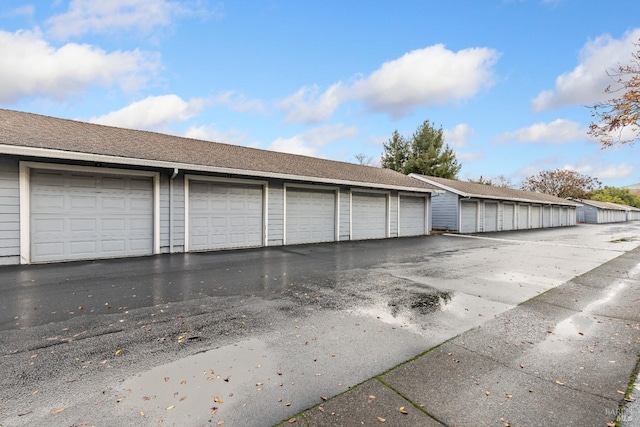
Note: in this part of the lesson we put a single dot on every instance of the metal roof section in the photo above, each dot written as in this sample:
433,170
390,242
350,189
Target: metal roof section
608,205
49,137
483,191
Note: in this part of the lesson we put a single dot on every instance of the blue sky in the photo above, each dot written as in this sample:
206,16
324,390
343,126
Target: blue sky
507,80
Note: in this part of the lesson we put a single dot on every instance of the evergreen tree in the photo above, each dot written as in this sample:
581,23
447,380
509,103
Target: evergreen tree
425,153
396,153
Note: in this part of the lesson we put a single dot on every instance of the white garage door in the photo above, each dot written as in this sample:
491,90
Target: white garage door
224,215
507,221
564,216
556,216
490,216
468,217
311,216
412,216
369,219
523,217
86,216
546,216
536,219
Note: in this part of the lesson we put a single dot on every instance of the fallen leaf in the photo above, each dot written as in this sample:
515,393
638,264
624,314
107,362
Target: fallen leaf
221,422
166,379
508,396
183,382
217,400
372,397
630,399
487,392
183,398
141,414
148,397
57,411
226,379
118,352
382,420
292,420
214,410
170,407
559,382
120,399
403,411
323,397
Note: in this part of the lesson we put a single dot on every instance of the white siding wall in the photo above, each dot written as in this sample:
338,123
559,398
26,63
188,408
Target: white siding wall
178,213
9,211
275,220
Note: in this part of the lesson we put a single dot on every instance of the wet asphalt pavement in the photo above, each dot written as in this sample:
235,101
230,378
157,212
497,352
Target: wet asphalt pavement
254,337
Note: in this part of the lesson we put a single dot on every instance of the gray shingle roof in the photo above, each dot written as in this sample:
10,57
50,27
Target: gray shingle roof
472,189
19,129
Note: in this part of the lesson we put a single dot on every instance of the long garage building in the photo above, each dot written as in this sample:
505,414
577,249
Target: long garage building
467,207
71,190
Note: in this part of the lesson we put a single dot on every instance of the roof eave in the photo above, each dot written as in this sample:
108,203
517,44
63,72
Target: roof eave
72,155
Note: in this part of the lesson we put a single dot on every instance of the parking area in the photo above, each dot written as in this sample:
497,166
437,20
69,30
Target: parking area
252,337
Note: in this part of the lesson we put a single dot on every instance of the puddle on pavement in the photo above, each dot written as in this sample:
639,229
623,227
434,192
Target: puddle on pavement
200,388
574,327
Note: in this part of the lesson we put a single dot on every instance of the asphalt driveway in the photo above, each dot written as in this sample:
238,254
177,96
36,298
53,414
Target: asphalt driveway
251,337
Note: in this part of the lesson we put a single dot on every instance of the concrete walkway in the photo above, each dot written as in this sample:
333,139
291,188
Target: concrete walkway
563,358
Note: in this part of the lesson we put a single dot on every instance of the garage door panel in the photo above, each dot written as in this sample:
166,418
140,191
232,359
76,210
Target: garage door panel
224,215
89,216
490,216
469,217
412,216
369,216
310,216
507,220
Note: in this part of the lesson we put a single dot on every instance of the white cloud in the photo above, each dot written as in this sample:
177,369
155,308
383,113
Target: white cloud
305,105
113,16
420,78
559,131
30,66
152,112
26,11
310,142
458,136
600,171
585,84
238,102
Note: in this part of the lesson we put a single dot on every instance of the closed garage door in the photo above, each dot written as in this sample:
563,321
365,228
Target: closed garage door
369,219
224,215
412,216
564,216
490,216
86,216
523,217
536,219
311,216
556,216
468,217
507,221
546,216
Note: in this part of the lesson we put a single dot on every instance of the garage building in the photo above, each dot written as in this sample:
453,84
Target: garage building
467,207
595,212
71,190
